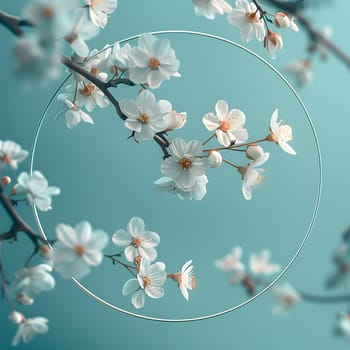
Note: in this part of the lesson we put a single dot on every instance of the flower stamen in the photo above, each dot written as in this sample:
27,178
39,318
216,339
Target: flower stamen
185,163
153,63
79,250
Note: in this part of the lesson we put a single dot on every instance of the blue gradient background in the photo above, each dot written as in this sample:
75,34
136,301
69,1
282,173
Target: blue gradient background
78,321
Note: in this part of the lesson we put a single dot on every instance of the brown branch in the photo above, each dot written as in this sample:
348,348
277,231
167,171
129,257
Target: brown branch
159,137
18,224
13,23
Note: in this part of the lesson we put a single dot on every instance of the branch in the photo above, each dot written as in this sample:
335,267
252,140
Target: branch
18,224
159,138
13,23
293,8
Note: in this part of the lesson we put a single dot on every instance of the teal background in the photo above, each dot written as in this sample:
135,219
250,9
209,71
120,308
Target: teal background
78,321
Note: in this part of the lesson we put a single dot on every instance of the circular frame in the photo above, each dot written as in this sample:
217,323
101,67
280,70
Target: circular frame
314,214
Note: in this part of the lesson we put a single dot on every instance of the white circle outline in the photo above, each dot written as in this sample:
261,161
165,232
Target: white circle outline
313,218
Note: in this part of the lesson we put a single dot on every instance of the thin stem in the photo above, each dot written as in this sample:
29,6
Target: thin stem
130,268
234,147
230,163
205,142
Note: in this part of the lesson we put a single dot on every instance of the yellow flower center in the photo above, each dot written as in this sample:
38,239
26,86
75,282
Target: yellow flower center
185,163
5,159
143,119
79,250
286,133
88,89
224,126
146,281
136,242
154,63
48,12
252,17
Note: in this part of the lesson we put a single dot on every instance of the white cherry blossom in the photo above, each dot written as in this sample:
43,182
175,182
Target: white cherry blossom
254,151
145,115
273,42
36,189
343,325
29,328
30,281
99,11
137,240
215,159
252,175
210,8
280,133
228,125
119,59
149,281
301,71
260,265
185,278
283,20
174,120
77,249
231,261
11,153
286,296
196,192
73,115
247,18
83,30
154,61
185,163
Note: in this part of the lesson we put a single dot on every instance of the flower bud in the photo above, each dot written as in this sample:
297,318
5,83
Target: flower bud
215,159
281,20
6,180
45,252
175,120
24,299
16,317
254,152
273,42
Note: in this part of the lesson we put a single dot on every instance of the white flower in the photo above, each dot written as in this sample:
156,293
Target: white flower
37,190
145,115
273,42
86,95
99,11
343,324
36,59
31,281
210,8
286,295
28,328
16,317
53,18
280,133
154,61
77,249
83,30
185,163
119,60
260,265
252,175
185,278
282,20
254,151
231,261
247,18
196,192
149,281
214,159
11,153
74,115
228,125
136,240
174,120
301,71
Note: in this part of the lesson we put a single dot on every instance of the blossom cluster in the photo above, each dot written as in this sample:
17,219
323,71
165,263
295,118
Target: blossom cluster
38,53
251,21
259,265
